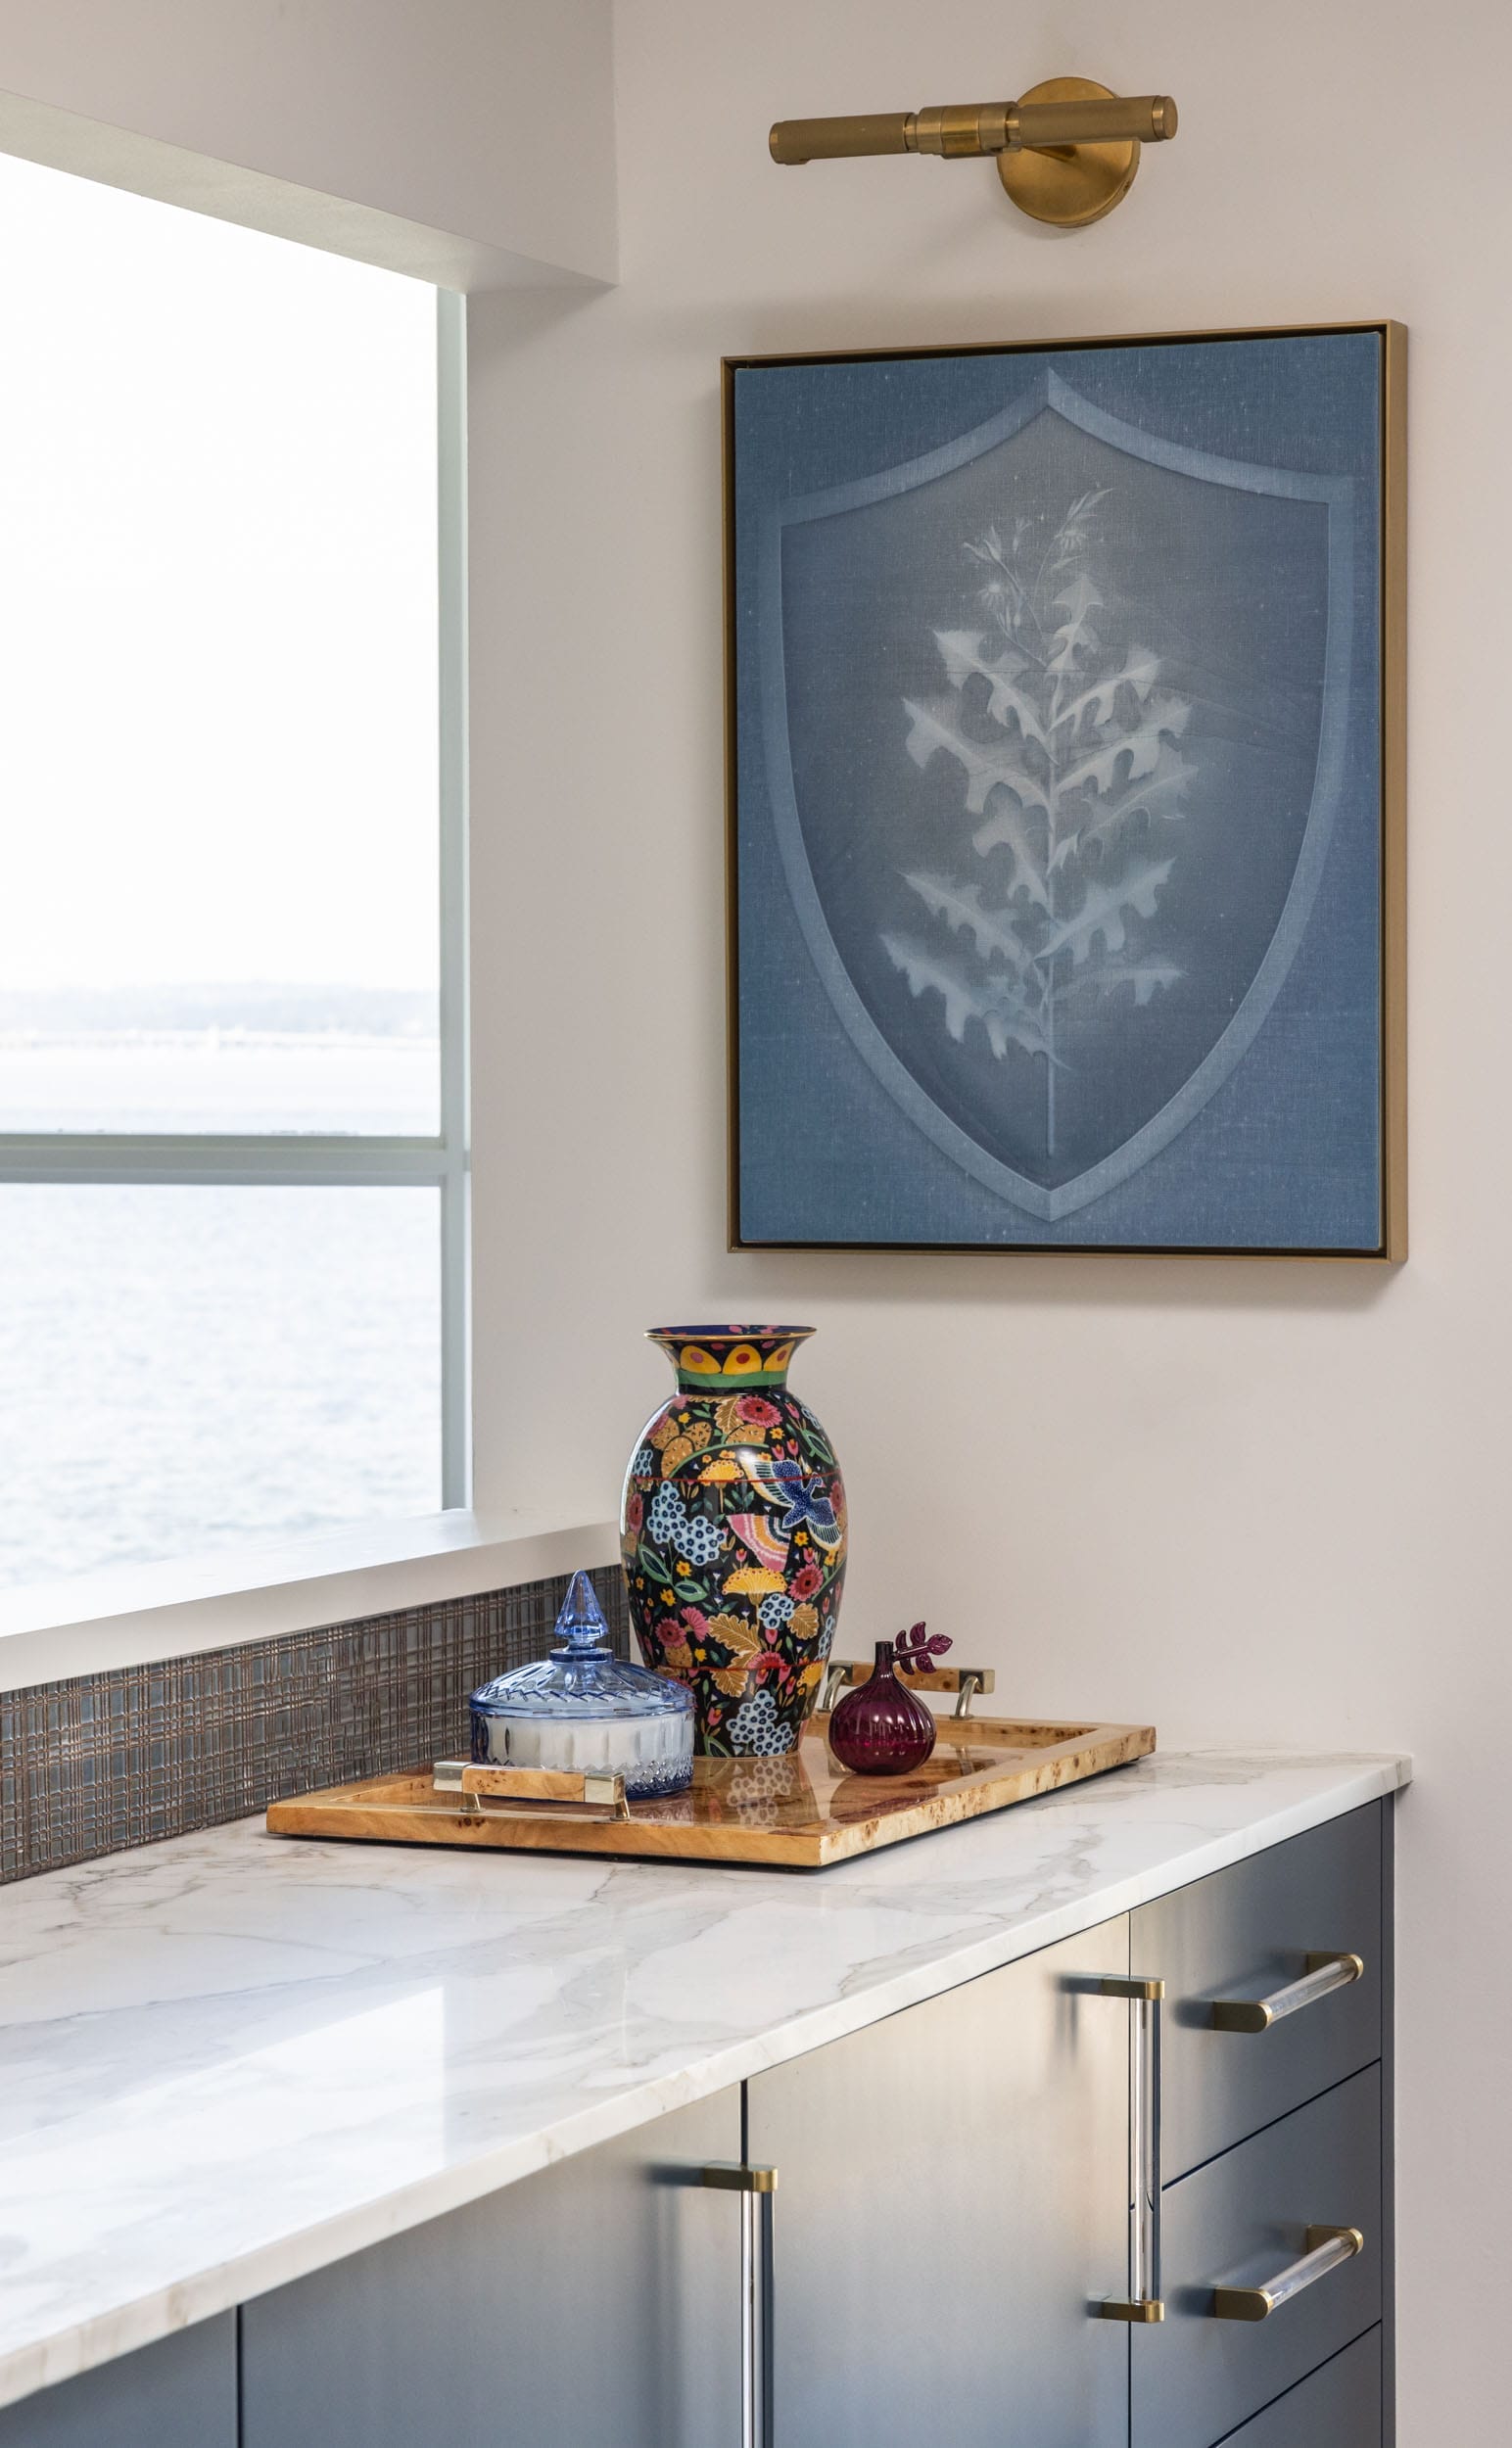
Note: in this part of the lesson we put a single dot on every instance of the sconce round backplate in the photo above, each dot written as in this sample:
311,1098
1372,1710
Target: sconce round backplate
1069,185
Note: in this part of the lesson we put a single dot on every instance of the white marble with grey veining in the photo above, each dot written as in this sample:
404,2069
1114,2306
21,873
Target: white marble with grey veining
231,2059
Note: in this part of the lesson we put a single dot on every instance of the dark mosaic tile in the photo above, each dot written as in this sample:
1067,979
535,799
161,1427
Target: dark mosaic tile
103,1761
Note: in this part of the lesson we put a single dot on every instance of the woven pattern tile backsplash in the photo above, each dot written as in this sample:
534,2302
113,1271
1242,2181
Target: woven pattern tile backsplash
102,1761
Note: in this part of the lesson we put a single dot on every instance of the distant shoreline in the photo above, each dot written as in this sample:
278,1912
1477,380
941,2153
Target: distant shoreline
240,1009
216,1039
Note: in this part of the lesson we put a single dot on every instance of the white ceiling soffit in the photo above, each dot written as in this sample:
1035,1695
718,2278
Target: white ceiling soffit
37,131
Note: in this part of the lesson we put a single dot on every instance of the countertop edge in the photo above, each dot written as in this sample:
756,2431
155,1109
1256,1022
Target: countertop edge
82,2346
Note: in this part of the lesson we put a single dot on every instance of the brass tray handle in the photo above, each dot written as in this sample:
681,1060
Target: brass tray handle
556,1788
1323,1974
1144,2301
755,2187
966,1681
1328,2248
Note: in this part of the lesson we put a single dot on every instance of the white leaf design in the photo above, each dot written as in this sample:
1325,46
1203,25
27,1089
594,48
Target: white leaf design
988,767
962,658
1168,715
1144,746
1077,600
1102,912
1081,747
1004,1014
1009,827
1140,672
1158,793
1145,977
1004,1029
959,905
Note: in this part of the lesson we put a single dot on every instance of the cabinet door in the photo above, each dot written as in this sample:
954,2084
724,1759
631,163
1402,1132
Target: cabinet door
1339,2407
599,2300
951,2204
179,2392
1241,1933
1238,2223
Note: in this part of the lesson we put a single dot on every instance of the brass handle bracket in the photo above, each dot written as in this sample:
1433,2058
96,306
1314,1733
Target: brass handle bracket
1066,151
730,2176
1137,1988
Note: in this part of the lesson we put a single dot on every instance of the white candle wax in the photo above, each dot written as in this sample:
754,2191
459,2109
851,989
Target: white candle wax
596,1747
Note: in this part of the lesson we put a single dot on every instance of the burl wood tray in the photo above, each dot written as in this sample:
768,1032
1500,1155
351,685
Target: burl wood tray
802,1812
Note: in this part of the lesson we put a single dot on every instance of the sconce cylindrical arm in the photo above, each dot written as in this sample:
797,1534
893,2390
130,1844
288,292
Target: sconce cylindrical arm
1146,118
842,140
955,129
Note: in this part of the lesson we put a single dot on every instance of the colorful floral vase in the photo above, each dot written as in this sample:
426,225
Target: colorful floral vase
733,1532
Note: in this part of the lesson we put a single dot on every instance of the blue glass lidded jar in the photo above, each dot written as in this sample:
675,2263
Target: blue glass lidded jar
587,1711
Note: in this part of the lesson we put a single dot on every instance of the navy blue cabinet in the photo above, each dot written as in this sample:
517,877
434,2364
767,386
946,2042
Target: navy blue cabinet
179,2392
599,2300
1244,1935
949,2206
1232,2230
1276,2089
1341,2405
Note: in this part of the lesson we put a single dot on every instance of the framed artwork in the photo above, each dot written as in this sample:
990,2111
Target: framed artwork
1065,795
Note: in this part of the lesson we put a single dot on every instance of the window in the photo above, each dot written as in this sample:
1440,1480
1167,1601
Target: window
232,1093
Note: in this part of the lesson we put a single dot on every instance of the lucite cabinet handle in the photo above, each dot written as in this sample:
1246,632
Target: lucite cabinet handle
755,2187
1322,1975
1142,2301
1328,2248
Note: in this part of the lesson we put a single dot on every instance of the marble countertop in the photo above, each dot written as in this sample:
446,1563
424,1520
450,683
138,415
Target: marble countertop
230,2059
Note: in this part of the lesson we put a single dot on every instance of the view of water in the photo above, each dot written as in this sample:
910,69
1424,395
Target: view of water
219,793
221,1082
190,1368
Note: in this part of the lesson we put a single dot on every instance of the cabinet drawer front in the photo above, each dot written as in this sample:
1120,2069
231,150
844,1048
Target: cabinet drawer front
179,2392
1236,2224
598,2301
1339,2407
1243,1934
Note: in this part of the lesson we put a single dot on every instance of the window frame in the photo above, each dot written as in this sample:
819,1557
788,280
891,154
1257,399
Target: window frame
442,1162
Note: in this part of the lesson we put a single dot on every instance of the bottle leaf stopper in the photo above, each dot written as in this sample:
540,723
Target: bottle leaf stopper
914,1649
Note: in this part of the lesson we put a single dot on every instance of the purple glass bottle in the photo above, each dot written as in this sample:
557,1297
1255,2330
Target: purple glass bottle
883,1728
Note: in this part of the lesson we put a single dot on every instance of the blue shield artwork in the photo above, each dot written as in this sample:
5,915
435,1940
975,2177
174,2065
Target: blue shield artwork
1058,820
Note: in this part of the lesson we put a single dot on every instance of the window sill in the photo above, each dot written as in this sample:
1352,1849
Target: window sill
135,1614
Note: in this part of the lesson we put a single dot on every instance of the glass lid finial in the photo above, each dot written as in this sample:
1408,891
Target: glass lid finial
580,1626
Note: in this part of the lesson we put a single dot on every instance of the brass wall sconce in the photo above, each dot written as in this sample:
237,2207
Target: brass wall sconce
1066,151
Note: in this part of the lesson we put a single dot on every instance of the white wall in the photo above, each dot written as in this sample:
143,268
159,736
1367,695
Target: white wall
1263,1503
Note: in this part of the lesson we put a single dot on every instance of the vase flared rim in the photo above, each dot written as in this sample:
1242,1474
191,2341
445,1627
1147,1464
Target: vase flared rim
750,1357
729,1333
